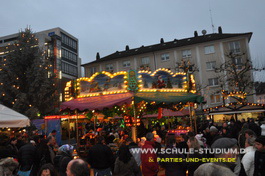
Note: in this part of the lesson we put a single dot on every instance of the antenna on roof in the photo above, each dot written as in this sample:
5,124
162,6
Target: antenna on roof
211,16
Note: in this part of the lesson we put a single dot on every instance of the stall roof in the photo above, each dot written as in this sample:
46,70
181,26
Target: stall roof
108,101
12,119
97,102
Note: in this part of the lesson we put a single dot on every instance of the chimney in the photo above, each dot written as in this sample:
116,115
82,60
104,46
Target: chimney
161,40
127,48
195,34
220,31
98,56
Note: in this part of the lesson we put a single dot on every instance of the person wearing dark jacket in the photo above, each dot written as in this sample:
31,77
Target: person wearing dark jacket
64,158
42,156
194,145
173,168
125,164
101,158
13,148
26,155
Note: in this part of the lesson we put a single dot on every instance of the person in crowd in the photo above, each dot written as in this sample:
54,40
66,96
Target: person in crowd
47,170
4,150
53,133
241,136
132,146
42,156
64,156
182,144
20,141
125,164
247,160
8,166
173,168
213,134
13,150
52,147
226,168
26,156
194,146
101,158
254,127
254,162
149,159
78,167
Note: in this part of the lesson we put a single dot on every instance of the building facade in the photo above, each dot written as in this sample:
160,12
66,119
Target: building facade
205,53
59,46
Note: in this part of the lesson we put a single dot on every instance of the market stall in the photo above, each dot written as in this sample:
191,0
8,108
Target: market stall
131,93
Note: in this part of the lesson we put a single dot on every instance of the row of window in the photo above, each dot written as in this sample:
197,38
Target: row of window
69,69
69,41
236,61
69,55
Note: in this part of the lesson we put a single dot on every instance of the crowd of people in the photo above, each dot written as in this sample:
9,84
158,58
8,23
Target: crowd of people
41,156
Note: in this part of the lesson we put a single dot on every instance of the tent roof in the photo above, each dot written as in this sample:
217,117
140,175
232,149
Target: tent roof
12,119
108,101
98,102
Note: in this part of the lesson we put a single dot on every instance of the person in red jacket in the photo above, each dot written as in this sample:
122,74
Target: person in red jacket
148,156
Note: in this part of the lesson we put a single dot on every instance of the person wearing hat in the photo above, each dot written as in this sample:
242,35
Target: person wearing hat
213,134
64,157
220,168
256,159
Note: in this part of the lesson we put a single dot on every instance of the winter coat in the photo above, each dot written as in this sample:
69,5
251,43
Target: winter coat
149,160
192,166
7,166
248,161
259,163
100,157
12,150
63,162
136,155
126,169
26,155
175,167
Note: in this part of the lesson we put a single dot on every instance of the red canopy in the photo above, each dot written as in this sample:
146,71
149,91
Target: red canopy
168,112
98,102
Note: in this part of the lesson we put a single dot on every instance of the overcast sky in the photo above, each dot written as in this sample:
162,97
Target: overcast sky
106,26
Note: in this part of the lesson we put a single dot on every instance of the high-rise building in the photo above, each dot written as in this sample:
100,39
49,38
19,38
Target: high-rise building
61,47
206,52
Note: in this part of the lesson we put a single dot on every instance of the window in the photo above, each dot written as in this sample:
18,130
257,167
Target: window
109,67
69,69
126,64
213,81
234,47
209,49
165,57
215,98
210,65
186,53
93,70
238,62
145,60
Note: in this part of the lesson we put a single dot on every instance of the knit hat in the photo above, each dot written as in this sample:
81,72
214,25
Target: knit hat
261,140
224,143
68,149
213,129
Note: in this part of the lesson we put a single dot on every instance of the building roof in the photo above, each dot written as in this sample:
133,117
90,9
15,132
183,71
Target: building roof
167,45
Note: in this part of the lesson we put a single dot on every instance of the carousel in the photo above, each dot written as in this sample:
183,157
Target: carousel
131,95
